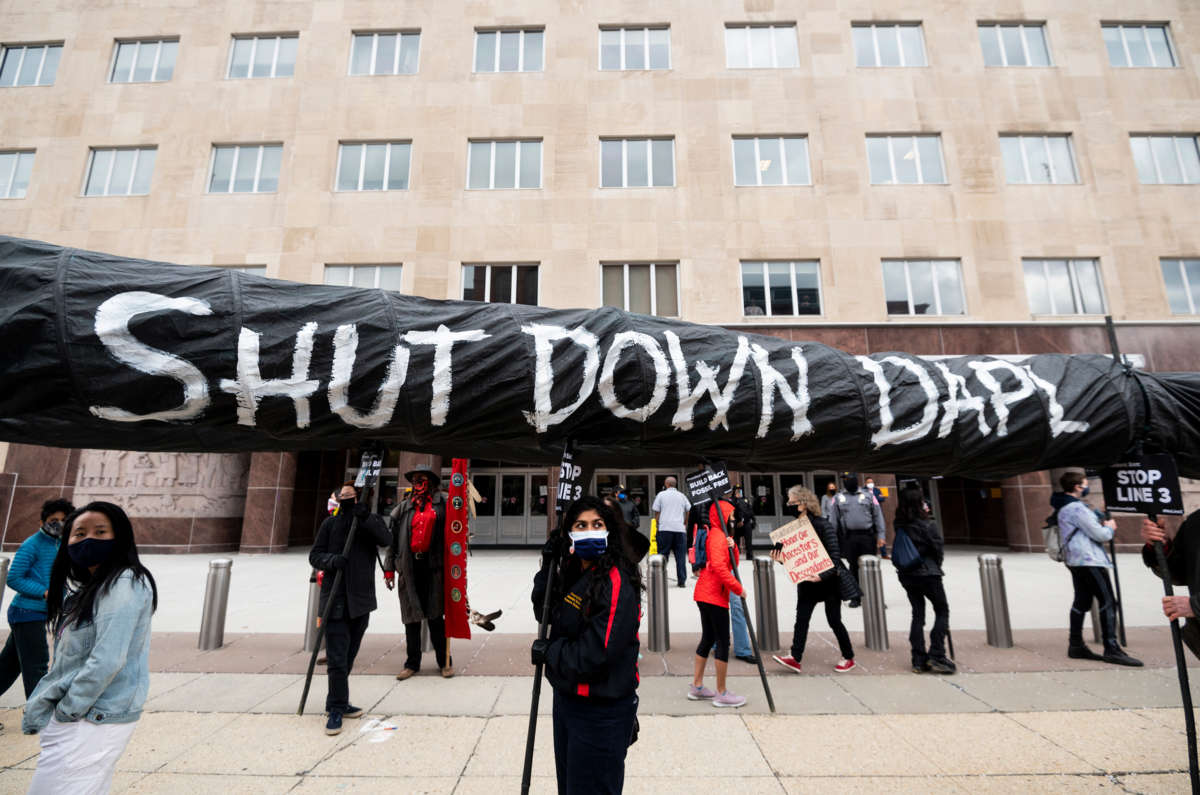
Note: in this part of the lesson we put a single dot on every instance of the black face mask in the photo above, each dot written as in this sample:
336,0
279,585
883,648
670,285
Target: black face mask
53,528
90,551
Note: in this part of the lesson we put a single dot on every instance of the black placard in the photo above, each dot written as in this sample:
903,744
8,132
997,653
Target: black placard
573,477
1149,486
704,484
368,470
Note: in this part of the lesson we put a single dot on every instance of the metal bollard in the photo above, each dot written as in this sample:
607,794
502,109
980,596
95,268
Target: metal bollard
870,582
216,600
314,612
995,602
1096,634
766,609
656,607
3,576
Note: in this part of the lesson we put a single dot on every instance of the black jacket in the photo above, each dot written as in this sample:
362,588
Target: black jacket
629,513
358,580
594,655
924,534
1183,564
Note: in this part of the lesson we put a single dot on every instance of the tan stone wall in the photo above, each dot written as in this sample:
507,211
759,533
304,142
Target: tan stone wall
571,225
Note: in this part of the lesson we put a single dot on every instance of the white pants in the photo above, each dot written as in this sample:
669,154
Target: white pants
79,757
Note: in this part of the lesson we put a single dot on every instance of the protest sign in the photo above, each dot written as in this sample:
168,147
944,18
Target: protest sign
1149,486
804,556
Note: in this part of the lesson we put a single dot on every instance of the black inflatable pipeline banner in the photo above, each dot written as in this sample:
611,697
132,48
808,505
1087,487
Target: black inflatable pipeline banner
100,351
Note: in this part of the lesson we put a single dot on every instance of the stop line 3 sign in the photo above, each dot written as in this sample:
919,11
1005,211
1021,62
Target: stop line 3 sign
1149,486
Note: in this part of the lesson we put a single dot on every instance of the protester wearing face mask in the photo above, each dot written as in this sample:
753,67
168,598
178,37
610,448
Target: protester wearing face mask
355,598
629,511
827,501
99,603
591,651
25,652
1083,537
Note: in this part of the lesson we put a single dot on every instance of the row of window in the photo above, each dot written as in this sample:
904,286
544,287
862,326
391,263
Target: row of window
747,46
775,288
624,163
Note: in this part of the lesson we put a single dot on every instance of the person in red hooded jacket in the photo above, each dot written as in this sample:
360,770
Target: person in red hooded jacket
713,589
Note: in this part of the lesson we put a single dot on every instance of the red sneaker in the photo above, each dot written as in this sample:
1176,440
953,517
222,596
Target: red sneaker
787,662
843,666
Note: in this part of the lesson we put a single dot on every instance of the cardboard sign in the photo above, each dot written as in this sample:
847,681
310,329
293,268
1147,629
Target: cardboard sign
1149,486
804,556
704,484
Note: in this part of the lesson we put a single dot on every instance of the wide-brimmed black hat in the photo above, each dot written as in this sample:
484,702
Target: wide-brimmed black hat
424,469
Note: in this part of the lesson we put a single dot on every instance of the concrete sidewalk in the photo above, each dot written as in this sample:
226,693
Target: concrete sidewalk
1114,730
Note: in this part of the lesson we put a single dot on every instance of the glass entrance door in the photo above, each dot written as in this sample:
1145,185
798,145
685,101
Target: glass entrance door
514,517
485,526
539,504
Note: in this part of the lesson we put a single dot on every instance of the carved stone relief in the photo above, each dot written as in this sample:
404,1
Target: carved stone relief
183,485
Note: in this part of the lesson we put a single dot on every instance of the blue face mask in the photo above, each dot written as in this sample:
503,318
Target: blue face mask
1086,491
589,544
622,496
90,551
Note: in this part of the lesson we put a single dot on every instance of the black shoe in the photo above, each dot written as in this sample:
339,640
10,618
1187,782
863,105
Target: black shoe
334,724
940,665
683,585
1117,656
1080,651
856,602
353,712
748,658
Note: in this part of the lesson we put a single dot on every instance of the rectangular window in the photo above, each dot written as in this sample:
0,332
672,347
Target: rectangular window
771,161
383,277
761,46
1038,160
905,159
637,162
393,53
253,270
1166,159
15,170
775,289
143,61
504,165
649,288
500,284
1134,45
29,64
1182,279
263,56
1064,287
251,168
373,166
1014,44
509,50
894,44
635,48
923,287
120,172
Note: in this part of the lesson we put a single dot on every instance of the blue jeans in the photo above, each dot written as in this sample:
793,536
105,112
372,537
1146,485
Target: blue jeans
677,543
741,636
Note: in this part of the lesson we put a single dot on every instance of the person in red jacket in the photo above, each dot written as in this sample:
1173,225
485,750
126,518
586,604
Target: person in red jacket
712,592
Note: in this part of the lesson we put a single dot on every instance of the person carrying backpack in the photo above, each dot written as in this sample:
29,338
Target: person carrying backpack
713,589
921,579
1083,538
858,520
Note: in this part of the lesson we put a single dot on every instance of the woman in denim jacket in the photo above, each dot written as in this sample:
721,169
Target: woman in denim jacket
100,601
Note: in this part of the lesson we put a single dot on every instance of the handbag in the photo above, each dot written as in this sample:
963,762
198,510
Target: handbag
905,556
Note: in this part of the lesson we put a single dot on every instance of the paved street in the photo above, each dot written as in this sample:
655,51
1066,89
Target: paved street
1013,720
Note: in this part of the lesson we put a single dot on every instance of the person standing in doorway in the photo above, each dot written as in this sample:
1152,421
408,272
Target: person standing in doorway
823,590
418,556
858,522
1083,537
670,515
827,501
629,511
25,652
354,600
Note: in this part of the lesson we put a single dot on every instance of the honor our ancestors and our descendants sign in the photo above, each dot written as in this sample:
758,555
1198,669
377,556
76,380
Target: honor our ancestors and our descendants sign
107,352
804,556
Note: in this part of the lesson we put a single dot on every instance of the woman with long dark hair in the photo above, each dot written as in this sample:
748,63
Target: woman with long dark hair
99,604
924,581
591,651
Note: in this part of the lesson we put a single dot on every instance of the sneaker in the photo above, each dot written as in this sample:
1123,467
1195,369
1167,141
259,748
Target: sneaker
748,658
701,693
1117,656
334,724
941,665
353,712
844,665
787,662
728,699
1080,651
